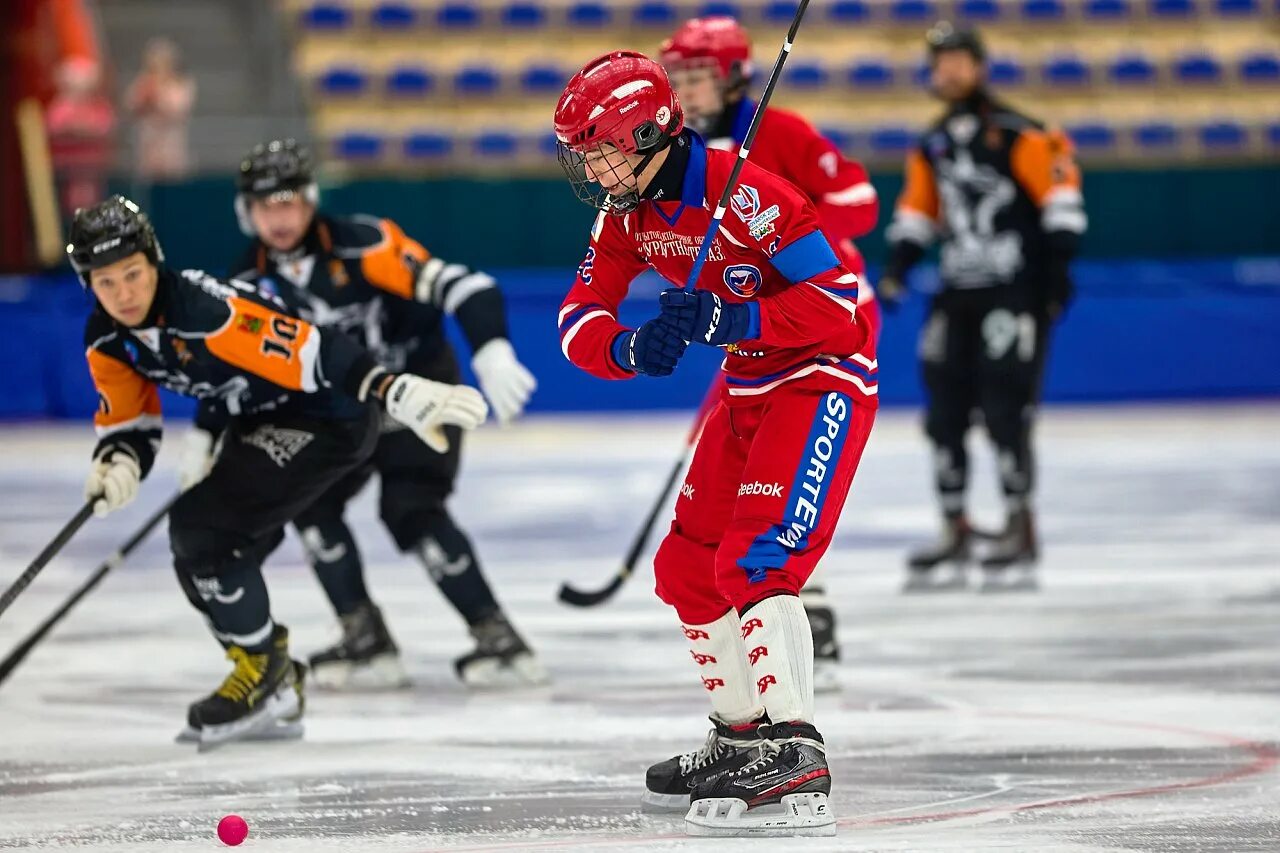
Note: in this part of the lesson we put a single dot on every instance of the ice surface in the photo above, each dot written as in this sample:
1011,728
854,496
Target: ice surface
1134,704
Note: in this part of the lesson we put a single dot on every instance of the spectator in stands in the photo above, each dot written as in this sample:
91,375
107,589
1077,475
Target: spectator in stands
161,98
80,121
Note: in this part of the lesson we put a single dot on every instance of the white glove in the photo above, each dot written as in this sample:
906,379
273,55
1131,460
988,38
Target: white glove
113,482
505,381
197,458
425,407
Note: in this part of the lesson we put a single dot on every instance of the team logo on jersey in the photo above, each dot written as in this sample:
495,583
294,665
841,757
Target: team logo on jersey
250,324
338,273
745,202
268,286
131,349
742,279
762,226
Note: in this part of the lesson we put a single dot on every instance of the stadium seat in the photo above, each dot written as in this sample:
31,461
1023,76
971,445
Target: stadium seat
1178,9
343,81
919,74
458,15
1107,10
1043,11
476,80
587,14
1223,134
1065,71
891,140
358,145
979,11
779,12
1272,134
427,145
1132,69
1093,137
1199,68
1236,8
409,81
849,12
720,9
1260,67
1156,135
495,144
805,74
523,14
913,11
548,145
654,13
871,74
1006,71
326,16
393,16
544,78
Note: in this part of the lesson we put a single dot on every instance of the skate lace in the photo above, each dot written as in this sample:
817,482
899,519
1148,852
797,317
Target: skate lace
704,755
768,751
245,678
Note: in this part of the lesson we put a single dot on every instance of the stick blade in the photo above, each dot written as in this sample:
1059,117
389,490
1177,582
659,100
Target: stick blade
581,598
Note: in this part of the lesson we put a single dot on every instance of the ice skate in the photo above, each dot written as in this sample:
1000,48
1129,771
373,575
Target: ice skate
1010,563
941,567
667,783
366,656
501,658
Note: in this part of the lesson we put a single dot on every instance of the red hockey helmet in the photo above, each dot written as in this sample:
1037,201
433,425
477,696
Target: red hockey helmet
622,100
717,42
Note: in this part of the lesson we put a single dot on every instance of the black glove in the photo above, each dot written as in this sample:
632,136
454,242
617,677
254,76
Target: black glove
702,317
653,349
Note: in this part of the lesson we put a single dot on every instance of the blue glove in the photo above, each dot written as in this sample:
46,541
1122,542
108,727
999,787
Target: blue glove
704,318
653,349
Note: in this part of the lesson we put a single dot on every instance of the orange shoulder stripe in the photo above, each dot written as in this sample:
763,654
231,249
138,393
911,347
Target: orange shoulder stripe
281,349
392,264
919,191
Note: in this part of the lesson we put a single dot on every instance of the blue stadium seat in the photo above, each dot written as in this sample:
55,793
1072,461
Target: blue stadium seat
720,9
1093,137
589,13
1108,10
458,15
1260,68
654,13
394,15
919,74
1200,68
1066,71
849,12
1223,134
1237,8
524,14
805,74
1156,135
476,80
1006,71
548,145
326,16
343,81
1045,11
979,11
1132,69
544,78
779,12
496,144
358,145
409,81
427,145
1273,134
913,11
891,140
871,74
1172,8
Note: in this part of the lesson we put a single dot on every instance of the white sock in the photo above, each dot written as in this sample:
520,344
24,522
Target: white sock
779,647
717,651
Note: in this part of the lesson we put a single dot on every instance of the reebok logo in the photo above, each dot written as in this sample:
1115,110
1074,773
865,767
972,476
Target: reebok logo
686,491
767,490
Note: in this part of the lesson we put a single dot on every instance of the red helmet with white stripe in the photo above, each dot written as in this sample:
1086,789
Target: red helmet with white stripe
718,42
619,103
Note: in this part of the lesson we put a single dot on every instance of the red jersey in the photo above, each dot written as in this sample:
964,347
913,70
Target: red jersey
840,189
770,253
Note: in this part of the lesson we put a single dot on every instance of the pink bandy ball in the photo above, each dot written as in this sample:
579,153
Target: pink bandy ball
232,830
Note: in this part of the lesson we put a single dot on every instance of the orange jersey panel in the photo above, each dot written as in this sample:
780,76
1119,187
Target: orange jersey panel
1042,161
393,264
919,192
278,348
126,398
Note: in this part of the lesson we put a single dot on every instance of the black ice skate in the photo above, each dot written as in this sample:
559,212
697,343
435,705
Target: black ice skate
782,790
501,658
262,699
826,651
667,783
366,656
1009,564
940,567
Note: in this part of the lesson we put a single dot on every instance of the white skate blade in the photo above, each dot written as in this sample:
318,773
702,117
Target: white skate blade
523,670
281,710
280,731
382,672
804,815
1019,577
951,578
664,803
826,676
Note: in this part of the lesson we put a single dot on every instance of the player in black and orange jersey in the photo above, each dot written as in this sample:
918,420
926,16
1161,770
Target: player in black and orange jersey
364,277
301,418
1002,191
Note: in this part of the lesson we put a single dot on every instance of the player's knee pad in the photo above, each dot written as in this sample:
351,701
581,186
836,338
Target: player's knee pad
684,575
324,534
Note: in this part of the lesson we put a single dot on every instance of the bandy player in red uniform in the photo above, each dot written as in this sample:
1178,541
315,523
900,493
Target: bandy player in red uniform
777,455
709,63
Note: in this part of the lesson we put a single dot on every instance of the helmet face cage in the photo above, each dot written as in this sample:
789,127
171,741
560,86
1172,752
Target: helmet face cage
649,139
109,232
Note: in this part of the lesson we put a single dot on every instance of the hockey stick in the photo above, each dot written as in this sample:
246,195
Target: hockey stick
42,559
745,150
19,654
